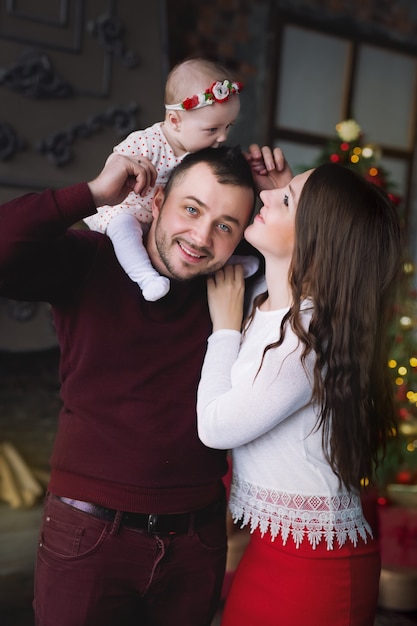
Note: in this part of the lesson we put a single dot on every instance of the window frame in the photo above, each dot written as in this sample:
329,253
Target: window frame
356,38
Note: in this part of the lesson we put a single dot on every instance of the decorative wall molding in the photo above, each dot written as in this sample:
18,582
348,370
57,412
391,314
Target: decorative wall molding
20,311
58,147
108,30
10,142
61,13
63,26
34,76
57,25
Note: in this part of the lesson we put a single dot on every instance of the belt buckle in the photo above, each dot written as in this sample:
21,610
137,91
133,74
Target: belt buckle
157,525
153,523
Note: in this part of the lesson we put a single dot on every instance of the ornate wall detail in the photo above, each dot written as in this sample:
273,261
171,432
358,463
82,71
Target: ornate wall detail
20,311
54,24
10,142
34,77
59,16
58,147
108,31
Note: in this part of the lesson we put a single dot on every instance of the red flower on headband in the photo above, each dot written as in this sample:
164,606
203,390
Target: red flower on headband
190,103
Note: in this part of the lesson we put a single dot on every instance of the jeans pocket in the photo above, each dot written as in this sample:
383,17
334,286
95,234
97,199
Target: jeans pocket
68,533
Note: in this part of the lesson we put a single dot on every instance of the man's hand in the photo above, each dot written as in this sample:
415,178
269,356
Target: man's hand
226,290
119,176
269,168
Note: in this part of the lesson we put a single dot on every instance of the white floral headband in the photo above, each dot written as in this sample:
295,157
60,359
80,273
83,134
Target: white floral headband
218,92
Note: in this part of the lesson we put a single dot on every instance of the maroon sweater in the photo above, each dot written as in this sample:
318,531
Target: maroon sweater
127,436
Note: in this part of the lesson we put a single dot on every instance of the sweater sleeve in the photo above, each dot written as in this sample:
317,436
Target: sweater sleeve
37,248
236,406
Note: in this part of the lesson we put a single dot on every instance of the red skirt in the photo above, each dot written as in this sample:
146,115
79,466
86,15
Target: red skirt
276,585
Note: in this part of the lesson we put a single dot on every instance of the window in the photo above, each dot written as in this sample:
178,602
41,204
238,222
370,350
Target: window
321,78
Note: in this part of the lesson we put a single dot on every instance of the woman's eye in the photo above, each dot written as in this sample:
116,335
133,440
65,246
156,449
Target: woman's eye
191,210
286,198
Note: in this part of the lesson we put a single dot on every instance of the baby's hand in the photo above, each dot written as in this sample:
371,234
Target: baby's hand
269,167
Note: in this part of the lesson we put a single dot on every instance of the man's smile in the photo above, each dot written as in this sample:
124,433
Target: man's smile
189,253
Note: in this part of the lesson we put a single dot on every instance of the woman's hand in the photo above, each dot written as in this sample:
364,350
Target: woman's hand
269,167
226,290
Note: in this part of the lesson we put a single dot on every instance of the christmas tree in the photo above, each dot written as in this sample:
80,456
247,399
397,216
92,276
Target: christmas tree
400,465
350,149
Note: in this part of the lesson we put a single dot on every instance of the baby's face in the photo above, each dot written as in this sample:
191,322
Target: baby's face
209,126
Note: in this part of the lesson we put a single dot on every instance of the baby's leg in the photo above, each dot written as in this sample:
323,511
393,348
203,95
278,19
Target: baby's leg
126,233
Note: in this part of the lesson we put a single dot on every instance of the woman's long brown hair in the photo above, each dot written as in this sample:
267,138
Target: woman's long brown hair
347,258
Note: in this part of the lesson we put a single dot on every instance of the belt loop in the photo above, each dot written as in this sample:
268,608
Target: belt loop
117,522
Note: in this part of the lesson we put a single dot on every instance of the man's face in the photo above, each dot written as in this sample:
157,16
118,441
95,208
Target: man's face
197,227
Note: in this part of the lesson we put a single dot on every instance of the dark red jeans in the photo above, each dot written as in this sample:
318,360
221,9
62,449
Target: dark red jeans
95,573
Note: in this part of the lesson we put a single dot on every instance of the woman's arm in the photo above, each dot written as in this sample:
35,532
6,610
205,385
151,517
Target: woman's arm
234,405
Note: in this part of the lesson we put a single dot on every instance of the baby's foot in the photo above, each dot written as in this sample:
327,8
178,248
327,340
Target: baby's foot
154,288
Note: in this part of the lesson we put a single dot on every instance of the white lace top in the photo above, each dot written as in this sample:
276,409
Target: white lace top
282,483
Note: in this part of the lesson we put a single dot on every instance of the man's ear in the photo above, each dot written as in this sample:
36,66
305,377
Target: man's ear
157,201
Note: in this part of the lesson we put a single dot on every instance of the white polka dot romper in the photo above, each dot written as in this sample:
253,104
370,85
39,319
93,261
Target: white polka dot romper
150,143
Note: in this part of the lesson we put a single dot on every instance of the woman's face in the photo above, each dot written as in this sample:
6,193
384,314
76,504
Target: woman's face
273,229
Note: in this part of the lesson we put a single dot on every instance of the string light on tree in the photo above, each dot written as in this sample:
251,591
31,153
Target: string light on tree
401,466
348,148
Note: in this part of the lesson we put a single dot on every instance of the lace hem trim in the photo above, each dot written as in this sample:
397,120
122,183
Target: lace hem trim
287,514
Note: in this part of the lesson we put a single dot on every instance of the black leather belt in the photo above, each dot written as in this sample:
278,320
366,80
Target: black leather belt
155,524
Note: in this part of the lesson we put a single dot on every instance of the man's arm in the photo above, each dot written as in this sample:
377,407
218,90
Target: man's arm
39,253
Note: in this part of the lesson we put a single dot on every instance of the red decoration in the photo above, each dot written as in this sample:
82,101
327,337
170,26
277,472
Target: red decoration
190,103
404,477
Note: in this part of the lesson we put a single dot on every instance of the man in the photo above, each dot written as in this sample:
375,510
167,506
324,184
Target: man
134,527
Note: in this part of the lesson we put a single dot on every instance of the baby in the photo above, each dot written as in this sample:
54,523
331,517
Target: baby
201,103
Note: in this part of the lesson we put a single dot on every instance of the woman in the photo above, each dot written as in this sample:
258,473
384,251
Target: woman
303,398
